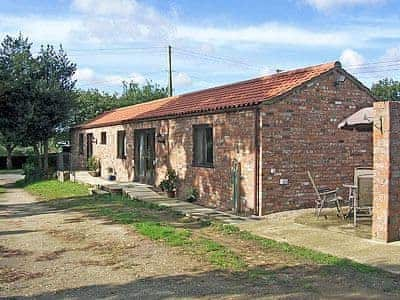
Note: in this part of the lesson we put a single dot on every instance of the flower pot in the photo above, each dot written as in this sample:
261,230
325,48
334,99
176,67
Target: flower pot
171,194
111,177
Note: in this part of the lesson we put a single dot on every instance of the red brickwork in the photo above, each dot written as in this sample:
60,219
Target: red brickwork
386,210
233,137
300,133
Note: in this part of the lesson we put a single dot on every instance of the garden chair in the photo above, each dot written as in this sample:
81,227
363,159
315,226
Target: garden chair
325,197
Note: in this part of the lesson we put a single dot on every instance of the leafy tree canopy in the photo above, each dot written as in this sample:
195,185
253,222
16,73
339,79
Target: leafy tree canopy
92,102
386,89
17,70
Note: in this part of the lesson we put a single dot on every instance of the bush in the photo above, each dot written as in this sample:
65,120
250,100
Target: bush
170,181
93,164
192,195
31,170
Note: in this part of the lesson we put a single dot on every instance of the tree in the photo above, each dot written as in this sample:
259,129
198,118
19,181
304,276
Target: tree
386,89
53,97
133,93
88,104
91,103
16,88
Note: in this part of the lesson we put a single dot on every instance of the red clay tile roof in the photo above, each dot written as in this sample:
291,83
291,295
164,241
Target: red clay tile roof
240,94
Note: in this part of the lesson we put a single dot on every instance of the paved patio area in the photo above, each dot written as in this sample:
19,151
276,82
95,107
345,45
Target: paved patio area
283,227
144,192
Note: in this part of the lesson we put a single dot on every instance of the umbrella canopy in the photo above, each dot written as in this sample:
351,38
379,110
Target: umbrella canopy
361,120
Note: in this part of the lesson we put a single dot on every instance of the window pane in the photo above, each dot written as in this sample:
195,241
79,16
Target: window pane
121,144
104,138
209,143
80,143
202,145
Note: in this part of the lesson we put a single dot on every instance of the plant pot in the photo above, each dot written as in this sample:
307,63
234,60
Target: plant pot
191,199
111,177
171,194
93,173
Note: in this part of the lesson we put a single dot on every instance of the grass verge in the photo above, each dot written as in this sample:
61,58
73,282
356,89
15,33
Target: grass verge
54,189
297,251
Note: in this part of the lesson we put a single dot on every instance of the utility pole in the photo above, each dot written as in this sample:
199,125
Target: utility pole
170,70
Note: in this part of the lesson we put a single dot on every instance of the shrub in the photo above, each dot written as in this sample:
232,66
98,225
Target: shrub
192,195
170,181
31,170
93,164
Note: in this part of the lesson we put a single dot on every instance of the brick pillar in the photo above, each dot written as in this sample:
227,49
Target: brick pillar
386,205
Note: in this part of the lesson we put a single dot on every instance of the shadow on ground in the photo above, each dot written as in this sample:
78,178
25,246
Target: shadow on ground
218,284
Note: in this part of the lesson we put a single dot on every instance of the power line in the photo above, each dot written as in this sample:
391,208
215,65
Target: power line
116,49
213,58
377,71
373,63
114,80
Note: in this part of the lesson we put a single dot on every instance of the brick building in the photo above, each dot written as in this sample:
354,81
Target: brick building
277,127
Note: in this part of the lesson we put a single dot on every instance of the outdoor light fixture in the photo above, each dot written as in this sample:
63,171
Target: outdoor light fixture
161,138
94,140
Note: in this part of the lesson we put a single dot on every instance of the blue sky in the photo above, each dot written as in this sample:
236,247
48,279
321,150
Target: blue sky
214,42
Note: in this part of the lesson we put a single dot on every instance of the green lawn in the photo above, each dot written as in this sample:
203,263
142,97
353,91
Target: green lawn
2,190
53,189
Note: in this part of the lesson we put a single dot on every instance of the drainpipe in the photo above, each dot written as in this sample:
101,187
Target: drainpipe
257,204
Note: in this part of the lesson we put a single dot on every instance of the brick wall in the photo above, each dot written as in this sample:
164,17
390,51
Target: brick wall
233,137
386,205
300,133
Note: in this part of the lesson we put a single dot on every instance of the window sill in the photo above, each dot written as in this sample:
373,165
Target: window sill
197,165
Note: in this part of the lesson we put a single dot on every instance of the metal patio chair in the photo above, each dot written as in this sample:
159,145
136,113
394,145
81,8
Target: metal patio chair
325,197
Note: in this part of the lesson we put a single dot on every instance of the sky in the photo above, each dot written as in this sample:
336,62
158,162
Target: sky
213,42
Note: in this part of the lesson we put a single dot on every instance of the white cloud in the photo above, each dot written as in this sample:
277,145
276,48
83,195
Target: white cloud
351,58
117,79
391,54
88,77
123,20
40,30
266,71
85,74
326,5
267,33
106,7
182,80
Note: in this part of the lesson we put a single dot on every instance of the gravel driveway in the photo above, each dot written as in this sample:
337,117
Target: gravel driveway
63,254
